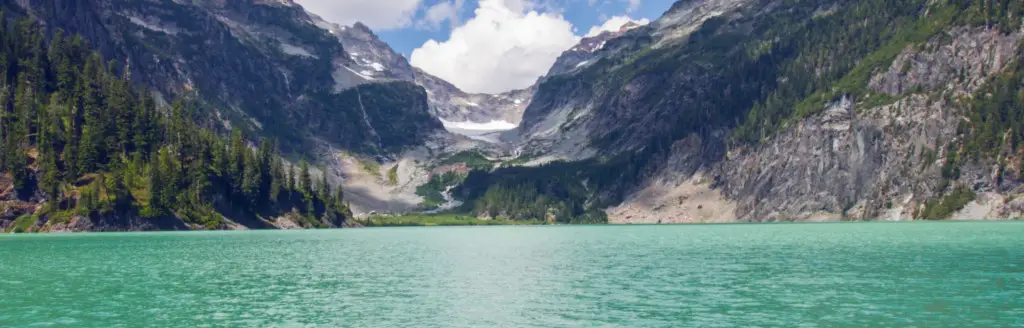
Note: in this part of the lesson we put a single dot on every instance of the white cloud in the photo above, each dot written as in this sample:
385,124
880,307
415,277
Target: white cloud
507,45
377,14
440,12
614,24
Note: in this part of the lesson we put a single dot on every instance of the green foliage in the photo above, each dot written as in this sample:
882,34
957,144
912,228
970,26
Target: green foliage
560,192
23,223
369,165
393,175
452,219
997,110
829,57
473,159
756,74
104,148
438,183
940,209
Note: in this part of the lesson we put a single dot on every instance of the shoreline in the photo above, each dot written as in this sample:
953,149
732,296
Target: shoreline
413,221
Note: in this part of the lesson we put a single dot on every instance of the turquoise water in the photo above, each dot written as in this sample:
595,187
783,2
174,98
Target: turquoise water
786,275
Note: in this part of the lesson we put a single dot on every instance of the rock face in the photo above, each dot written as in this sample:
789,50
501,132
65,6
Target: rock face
453,105
633,89
374,60
267,67
960,64
588,49
854,161
372,57
667,92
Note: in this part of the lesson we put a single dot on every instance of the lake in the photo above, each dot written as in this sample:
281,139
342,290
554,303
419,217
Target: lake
943,274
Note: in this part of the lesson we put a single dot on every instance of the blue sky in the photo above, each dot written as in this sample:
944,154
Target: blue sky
486,46
578,12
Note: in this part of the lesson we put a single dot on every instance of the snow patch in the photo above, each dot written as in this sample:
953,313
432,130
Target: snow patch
296,51
360,74
518,101
355,54
377,66
582,63
494,125
472,104
153,26
345,77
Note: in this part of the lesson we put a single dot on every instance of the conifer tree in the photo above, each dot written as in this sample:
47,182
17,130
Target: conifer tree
305,180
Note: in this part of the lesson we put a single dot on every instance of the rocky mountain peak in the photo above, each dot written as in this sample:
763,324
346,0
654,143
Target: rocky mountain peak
628,26
371,57
587,49
363,28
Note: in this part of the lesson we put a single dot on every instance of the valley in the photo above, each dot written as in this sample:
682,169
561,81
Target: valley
718,111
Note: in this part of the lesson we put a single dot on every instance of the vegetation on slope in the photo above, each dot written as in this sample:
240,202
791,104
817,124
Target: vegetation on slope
755,75
944,207
432,191
76,133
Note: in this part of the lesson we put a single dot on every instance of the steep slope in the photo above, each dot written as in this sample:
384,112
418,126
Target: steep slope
280,74
454,105
101,156
766,110
587,49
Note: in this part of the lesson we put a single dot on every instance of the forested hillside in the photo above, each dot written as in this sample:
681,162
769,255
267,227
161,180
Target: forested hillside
661,108
82,145
268,68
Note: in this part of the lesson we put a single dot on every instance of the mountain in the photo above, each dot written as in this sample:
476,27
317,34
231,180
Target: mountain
375,60
751,110
587,49
260,65
83,149
720,110
454,105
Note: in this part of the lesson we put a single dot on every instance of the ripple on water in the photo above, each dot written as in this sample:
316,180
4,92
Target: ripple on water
793,275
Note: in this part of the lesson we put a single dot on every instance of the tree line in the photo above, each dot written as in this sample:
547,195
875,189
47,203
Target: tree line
77,134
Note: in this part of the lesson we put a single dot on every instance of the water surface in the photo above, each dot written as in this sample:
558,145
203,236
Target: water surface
786,275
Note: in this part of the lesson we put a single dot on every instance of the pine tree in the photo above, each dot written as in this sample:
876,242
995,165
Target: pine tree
291,181
92,147
49,175
305,180
339,196
155,186
143,129
324,189
251,179
277,180
95,122
116,192
236,162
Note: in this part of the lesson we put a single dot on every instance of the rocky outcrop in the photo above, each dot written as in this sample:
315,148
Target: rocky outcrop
959,61
635,90
589,49
454,105
853,161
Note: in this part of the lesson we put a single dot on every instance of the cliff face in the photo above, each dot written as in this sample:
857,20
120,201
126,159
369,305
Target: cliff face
754,110
454,105
267,67
642,84
855,160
